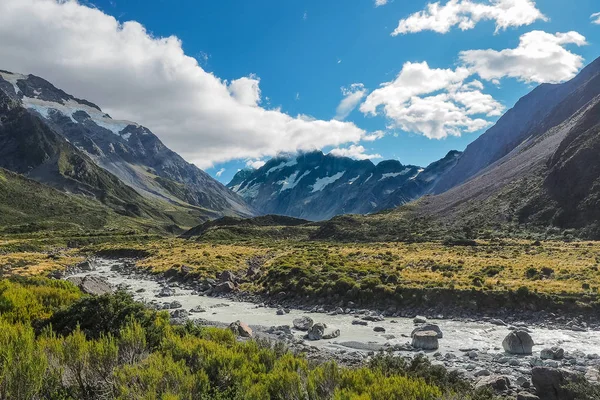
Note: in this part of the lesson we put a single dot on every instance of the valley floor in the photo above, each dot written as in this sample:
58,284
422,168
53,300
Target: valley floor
549,288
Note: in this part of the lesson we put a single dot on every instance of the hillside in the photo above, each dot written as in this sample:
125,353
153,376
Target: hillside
547,183
126,151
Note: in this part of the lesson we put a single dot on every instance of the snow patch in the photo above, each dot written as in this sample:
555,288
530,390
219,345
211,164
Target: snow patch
370,176
417,174
13,79
44,108
321,183
394,174
292,181
290,163
351,181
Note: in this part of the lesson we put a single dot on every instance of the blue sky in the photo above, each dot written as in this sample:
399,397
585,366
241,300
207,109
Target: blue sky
304,51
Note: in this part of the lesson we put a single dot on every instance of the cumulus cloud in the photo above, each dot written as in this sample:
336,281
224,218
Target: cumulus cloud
352,96
246,90
255,164
136,76
379,3
433,102
354,151
540,57
595,18
467,13
220,172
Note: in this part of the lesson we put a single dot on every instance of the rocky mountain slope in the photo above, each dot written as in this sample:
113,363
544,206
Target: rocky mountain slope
316,186
547,183
123,150
545,107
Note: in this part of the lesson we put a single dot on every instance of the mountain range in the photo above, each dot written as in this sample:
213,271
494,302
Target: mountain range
316,186
71,145
538,167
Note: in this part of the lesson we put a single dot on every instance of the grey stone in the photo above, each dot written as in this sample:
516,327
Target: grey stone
303,323
518,342
425,340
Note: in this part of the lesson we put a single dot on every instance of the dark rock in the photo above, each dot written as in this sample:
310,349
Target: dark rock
554,353
379,329
359,322
92,284
550,383
303,323
428,327
241,329
518,342
425,340
225,287
317,331
496,382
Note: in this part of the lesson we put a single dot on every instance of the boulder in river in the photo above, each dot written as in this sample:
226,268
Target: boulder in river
303,323
359,322
198,309
419,320
241,329
553,353
280,311
317,331
179,313
425,340
518,342
428,327
91,284
496,382
550,383
332,334
379,329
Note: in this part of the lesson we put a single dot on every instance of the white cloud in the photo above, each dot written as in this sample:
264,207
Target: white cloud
433,102
136,76
354,151
352,96
220,172
246,90
379,3
595,18
255,164
540,57
446,102
467,13
373,136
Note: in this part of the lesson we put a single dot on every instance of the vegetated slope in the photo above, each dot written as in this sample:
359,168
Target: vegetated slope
26,205
30,147
547,183
125,149
545,107
316,186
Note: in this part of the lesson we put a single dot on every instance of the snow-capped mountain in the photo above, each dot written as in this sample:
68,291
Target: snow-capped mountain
126,149
316,186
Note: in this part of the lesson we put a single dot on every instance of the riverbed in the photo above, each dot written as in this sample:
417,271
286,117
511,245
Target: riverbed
473,347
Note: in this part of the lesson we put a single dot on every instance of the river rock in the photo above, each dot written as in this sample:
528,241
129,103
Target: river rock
303,323
428,327
419,320
91,284
518,342
379,329
225,287
317,331
359,322
85,266
280,311
496,382
553,353
425,340
332,334
527,396
198,309
550,383
165,292
174,304
179,313
241,329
